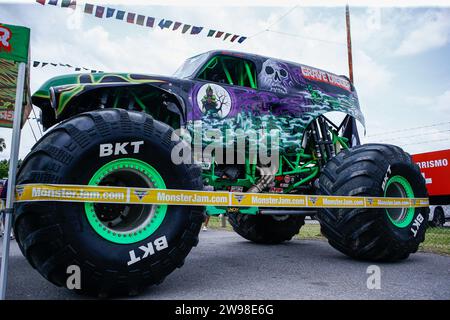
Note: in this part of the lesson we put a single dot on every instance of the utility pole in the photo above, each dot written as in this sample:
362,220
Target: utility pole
349,44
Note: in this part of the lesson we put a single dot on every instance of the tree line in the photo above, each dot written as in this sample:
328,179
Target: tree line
4,164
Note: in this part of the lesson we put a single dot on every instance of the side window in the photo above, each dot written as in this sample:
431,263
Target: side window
229,70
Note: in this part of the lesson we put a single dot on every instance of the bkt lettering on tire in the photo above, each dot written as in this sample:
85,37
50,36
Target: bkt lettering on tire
120,148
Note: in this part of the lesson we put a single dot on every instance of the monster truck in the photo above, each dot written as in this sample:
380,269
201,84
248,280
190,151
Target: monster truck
112,129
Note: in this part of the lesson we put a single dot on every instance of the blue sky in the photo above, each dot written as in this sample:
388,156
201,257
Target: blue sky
401,55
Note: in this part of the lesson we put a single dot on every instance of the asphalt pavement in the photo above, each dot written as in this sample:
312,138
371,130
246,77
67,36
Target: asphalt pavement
225,266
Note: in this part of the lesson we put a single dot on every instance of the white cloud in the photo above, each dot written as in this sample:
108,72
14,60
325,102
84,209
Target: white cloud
430,33
371,77
418,101
422,136
439,103
443,102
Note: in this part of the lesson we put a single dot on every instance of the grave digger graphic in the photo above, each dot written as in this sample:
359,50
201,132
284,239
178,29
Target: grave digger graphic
109,129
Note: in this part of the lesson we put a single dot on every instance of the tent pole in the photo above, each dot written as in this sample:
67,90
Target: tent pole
15,144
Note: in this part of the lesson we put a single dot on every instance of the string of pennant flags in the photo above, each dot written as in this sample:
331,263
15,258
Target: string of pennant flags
143,20
37,64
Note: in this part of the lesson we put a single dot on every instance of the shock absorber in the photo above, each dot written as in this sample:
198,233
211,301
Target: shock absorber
323,143
319,148
326,138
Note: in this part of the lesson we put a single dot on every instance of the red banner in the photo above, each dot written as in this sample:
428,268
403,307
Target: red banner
435,167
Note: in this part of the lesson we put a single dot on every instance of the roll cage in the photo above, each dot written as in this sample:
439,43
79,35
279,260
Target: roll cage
229,70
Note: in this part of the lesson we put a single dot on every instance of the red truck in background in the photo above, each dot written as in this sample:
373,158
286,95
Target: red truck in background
435,167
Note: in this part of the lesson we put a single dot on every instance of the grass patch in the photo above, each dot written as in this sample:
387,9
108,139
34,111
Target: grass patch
437,240
310,231
216,223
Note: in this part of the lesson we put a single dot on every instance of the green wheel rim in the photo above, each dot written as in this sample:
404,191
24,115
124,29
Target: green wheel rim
402,186
145,229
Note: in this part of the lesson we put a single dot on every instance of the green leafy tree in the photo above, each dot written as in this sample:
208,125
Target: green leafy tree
4,167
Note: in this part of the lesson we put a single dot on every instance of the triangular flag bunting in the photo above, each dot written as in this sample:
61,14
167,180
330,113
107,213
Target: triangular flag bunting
176,26
110,12
99,11
150,22
242,39
185,28
196,30
130,17
165,23
140,20
120,14
88,8
234,37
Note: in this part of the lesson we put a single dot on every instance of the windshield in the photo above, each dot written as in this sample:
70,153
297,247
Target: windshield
190,65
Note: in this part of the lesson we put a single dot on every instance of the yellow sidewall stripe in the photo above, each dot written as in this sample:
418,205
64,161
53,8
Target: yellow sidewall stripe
78,193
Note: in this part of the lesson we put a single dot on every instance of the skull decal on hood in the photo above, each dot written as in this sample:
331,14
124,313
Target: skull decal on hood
274,76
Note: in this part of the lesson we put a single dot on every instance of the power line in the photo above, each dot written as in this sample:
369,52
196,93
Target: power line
427,141
307,38
408,129
282,17
31,127
37,123
268,29
414,135
256,34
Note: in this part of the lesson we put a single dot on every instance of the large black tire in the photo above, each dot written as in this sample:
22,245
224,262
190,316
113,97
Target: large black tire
369,234
55,235
266,229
